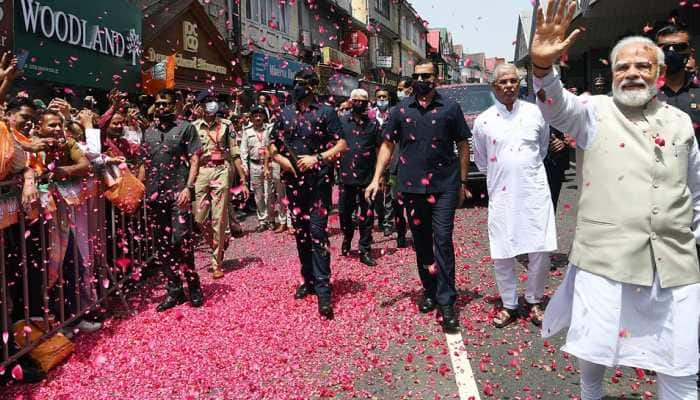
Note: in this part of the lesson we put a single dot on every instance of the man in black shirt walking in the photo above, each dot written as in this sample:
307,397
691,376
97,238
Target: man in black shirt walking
433,181
172,148
307,134
363,137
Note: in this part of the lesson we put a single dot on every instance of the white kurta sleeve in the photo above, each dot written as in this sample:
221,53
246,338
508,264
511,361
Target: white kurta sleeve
565,111
544,135
694,186
479,148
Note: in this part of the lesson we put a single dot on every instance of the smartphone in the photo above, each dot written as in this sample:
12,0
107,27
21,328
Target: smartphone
22,57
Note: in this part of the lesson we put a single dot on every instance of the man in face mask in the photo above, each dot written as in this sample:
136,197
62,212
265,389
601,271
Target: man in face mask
680,89
404,89
432,181
363,136
306,138
219,153
383,205
172,149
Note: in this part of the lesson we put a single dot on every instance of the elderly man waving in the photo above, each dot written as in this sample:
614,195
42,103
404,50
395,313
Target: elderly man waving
510,143
631,296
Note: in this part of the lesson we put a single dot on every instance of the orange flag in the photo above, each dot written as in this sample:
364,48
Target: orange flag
160,76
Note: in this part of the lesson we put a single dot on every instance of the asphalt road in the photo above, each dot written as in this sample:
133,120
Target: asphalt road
252,340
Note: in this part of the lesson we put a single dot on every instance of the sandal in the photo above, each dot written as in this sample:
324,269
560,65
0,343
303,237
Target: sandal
536,314
505,317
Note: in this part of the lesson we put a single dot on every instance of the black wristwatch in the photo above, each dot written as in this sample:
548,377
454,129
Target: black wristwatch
319,157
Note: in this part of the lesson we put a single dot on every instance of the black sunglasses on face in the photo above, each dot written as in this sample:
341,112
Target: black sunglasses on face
678,47
423,76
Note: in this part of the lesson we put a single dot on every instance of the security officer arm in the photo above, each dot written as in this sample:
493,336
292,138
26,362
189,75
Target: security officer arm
283,161
307,162
383,158
463,151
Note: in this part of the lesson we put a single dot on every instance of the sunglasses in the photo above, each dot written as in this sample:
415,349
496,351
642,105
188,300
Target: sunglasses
678,47
423,76
159,104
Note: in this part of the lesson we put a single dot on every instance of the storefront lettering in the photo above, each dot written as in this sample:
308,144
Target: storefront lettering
190,40
191,63
70,29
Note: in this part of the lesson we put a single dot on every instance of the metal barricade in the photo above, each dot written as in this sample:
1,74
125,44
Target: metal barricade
107,246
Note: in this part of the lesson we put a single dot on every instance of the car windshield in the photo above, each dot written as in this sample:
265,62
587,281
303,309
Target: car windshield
473,99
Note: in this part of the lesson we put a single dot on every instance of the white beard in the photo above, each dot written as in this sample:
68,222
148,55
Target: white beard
636,97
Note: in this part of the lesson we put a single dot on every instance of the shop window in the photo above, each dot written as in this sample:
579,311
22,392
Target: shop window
272,14
383,7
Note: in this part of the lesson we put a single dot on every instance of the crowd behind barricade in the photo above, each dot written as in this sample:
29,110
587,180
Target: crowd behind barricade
109,195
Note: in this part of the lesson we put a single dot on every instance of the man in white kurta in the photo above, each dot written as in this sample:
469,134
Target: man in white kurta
510,143
631,296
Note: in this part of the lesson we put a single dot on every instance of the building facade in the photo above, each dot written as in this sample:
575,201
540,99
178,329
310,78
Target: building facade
413,39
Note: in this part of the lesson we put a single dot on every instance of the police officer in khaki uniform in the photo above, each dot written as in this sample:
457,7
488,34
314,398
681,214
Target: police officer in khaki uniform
213,181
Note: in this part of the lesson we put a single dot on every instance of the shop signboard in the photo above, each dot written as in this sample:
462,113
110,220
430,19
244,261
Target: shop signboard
273,70
98,45
337,59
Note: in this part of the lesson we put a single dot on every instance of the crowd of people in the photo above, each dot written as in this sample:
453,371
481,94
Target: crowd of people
406,164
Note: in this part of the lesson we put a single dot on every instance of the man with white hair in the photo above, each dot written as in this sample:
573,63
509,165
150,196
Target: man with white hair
363,136
631,295
511,139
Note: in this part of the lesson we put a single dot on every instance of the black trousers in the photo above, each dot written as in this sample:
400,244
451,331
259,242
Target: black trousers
431,218
556,167
350,195
384,208
174,249
398,211
310,201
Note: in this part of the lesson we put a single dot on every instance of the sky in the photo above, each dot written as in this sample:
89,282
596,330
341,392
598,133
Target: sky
487,26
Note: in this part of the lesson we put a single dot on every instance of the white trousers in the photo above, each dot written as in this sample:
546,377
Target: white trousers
668,387
507,280
263,193
284,215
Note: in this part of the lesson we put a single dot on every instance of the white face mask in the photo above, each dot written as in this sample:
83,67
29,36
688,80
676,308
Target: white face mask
401,95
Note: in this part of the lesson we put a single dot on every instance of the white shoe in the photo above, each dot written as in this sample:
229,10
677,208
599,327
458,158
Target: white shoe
87,326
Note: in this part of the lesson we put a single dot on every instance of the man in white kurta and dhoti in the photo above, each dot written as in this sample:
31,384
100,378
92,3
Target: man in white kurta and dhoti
631,296
510,142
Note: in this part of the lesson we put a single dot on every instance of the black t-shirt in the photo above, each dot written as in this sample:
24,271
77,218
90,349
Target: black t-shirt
311,132
168,158
363,138
687,99
426,137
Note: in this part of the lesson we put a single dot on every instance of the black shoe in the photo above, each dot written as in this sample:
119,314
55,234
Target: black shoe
366,258
305,289
325,309
427,305
388,231
401,243
173,299
345,247
450,322
196,296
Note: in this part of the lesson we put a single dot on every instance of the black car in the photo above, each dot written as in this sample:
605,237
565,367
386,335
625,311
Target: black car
474,98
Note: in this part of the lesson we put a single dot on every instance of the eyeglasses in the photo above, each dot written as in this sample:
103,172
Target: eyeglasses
642,66
678,47
300,82
423,76
159,104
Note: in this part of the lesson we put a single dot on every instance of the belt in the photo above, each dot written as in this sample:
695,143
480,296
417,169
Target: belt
214,163
254,161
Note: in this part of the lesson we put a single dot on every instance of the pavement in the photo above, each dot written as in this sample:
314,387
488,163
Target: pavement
252,340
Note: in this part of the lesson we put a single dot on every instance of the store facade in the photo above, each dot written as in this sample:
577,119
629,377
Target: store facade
63,43
203,60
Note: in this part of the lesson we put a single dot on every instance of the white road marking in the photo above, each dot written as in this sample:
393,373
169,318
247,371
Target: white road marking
466,384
